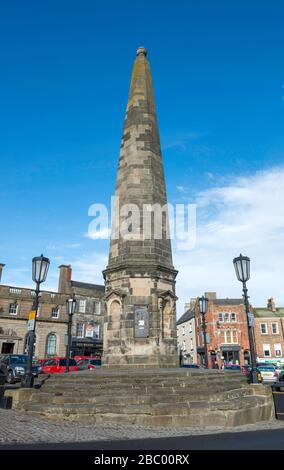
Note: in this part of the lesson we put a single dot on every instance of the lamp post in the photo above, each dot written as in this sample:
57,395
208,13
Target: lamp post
70,308
203,308
242,268
40,266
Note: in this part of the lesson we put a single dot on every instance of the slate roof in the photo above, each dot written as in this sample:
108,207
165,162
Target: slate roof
86,285
267,313
227,301
188,315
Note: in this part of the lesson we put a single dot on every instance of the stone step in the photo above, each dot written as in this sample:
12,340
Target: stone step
93,377
187,395
169,381
126,392
182,414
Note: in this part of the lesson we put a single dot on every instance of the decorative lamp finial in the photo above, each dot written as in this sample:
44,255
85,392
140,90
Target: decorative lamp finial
141,50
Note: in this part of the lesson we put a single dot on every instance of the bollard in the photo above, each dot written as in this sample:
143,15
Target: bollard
5,402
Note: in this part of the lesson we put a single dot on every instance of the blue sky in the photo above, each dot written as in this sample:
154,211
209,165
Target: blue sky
218,75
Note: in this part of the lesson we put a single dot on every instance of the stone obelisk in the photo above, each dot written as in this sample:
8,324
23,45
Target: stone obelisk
140,318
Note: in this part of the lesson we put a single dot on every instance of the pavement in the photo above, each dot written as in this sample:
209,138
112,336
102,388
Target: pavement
253,440
24,430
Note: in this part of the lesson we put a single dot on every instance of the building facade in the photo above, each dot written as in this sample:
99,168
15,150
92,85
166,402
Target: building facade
269,333
186,337
227,332
51,327
88,319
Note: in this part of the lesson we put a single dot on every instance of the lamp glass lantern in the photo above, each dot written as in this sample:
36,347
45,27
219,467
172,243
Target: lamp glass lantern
71,306
242,268
203,305
40,269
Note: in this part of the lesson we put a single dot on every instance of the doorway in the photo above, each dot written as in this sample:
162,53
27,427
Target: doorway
7,348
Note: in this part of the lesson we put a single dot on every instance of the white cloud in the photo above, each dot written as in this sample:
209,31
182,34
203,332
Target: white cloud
245,216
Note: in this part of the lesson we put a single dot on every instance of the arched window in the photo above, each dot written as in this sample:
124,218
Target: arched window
50,349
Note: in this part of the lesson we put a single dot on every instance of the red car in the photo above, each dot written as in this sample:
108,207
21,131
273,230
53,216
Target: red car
78,358
57,365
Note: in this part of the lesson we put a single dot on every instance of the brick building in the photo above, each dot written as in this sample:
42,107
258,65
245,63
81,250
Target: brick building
16,303
186,335
227,332
269,332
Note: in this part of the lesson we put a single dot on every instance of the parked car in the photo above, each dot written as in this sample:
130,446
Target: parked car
190,366
268,373
232,367
57,365
281,376
78,358
14,367
89,363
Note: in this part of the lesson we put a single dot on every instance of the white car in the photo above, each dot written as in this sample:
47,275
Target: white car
268,373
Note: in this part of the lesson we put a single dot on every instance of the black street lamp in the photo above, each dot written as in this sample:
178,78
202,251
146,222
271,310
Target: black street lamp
242,268
203,308
40,266
70,308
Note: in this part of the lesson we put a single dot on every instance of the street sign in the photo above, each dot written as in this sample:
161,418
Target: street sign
251,319
31,325
31,321
32,315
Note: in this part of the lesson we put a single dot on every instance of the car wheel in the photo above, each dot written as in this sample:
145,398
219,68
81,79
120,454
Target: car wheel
10,377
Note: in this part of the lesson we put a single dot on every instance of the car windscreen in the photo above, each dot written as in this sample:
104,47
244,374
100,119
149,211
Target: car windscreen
266,369
95,362
18,359
72,362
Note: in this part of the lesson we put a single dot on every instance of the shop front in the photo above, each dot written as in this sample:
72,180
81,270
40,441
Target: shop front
86,347
230,354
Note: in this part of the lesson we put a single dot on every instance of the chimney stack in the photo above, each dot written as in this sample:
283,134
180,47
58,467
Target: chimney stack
65,275
271,304
1,270
211,295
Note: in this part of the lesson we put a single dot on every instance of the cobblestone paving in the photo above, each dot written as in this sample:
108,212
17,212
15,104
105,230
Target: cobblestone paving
22,427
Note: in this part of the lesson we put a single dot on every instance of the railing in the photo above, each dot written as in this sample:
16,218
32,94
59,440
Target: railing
14,290
278,397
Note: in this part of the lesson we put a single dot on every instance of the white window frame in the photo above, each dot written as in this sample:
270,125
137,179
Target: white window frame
97,330
16,312
97,302
228,336
82,306
277,328
52,312
266,347
184,346
277,347
266,329
235,316
226,317
83,330
183,330
220,317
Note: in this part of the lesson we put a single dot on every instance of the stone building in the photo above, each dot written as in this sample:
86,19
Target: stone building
140,322
87,327
269,332
186,336
51,328
227,332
